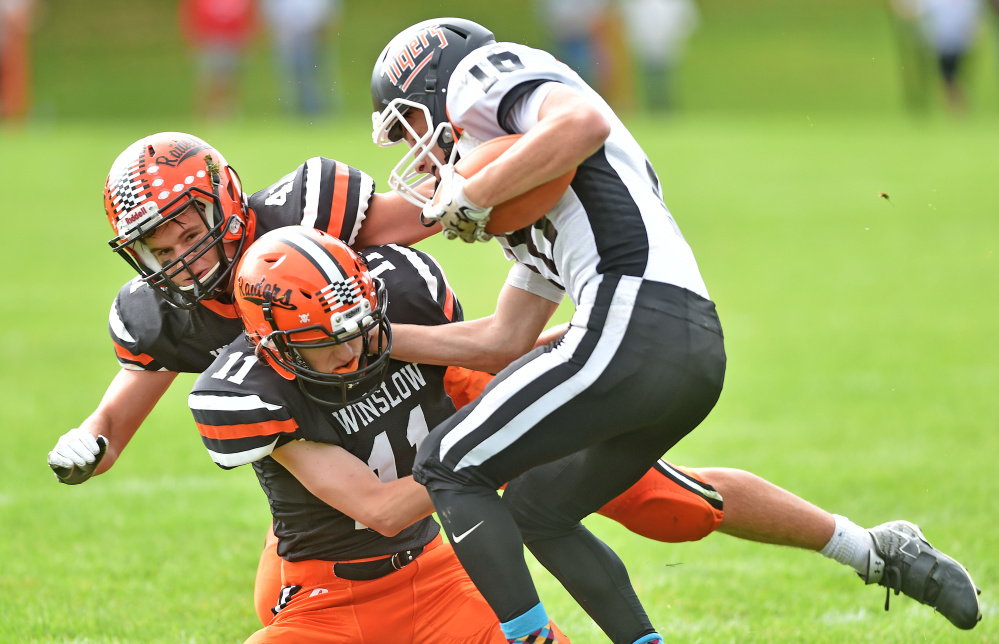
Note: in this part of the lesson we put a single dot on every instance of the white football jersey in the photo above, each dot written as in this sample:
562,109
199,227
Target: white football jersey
611,221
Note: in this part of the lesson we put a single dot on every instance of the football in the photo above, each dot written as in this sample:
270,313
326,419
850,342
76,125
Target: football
523,210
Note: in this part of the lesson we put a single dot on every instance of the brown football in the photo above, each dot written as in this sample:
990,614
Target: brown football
523,210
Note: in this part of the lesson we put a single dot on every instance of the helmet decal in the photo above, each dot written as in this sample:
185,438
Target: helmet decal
138,218
262,291
341,290
413,57
180,152
129,190
342,293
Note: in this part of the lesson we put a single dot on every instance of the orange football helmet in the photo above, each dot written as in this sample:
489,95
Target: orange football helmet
153,181
301,288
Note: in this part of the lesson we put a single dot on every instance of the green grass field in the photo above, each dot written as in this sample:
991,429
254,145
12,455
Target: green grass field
862,376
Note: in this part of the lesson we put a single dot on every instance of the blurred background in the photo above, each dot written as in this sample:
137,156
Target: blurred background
276,59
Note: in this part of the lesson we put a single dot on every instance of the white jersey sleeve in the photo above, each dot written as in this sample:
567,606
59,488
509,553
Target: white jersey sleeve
524,114
522,277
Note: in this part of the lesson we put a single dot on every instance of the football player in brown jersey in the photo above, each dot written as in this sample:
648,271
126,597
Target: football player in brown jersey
310,398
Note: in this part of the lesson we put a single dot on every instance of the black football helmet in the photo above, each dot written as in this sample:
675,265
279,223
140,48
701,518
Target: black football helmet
412,72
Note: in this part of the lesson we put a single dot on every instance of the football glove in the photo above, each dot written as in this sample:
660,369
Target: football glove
460,218
76,456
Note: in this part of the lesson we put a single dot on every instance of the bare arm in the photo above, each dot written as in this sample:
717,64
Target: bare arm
342,481
552,334
569,130
393,220
487,344
126,403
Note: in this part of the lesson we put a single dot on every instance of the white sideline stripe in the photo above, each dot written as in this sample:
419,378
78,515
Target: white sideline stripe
613,332
242,458
313,176
117,325
228,403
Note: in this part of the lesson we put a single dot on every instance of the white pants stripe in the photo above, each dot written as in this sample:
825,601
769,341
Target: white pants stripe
614,328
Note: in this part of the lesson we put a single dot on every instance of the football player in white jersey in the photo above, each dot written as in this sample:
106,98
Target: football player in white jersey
573,423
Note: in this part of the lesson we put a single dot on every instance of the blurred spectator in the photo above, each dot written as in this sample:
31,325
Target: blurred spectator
15,67
219,32
615,65
915,55
299,31
950,27
658,31
574,26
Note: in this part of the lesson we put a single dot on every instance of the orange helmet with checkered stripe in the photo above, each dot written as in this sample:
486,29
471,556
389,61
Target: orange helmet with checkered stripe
301,288
158,178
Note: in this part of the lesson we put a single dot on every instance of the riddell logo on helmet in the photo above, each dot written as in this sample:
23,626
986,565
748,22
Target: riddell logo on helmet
137,215
262,292
413,57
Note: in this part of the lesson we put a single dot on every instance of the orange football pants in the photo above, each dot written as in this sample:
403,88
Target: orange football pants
429,600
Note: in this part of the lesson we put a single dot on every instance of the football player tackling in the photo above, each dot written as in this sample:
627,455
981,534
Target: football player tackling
331,425
181,220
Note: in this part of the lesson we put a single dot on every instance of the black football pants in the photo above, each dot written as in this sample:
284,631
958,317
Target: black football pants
571,426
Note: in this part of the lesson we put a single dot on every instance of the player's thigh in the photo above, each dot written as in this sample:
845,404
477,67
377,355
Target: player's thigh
267,587
325,609
314,624
542,408
597,385
669,503
556,496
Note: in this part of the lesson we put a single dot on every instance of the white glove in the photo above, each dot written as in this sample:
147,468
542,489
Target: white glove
76,455
460,218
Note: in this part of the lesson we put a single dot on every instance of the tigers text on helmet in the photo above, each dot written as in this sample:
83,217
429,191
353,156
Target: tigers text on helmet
412,73
300,289
175,177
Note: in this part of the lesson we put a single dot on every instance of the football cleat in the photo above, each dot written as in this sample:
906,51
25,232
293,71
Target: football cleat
904,561
543,635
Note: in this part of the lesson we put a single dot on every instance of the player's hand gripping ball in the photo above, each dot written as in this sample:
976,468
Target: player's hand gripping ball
460,218
467,221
